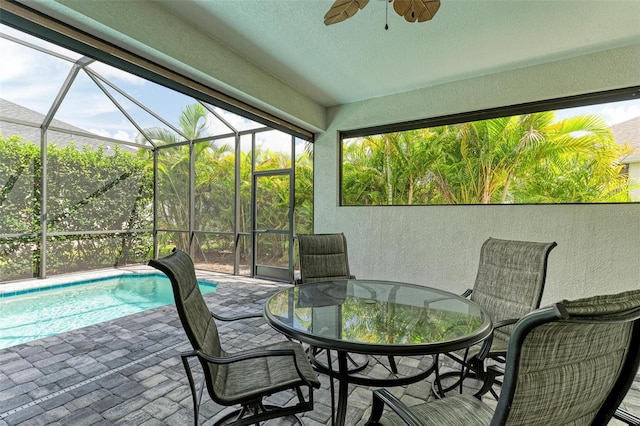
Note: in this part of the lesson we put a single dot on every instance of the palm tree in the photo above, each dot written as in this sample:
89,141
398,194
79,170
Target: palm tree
174,174
214,186
362,177
523,159
303,219
581,163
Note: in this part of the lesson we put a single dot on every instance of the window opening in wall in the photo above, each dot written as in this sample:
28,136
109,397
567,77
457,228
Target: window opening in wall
586,154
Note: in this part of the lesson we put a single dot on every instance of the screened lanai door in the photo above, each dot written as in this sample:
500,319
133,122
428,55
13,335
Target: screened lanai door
273,225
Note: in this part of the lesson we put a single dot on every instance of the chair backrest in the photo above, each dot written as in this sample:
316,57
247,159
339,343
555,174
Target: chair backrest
571,363
323,257
510,279
195,316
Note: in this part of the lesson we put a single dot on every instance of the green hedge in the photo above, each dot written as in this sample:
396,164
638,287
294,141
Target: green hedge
87,190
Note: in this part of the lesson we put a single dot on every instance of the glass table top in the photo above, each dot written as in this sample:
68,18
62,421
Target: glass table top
377,317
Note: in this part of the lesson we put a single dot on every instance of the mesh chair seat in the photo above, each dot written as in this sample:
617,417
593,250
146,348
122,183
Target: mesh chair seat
568,364
253,378
457,410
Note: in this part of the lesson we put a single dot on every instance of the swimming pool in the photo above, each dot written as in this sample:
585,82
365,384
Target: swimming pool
36,313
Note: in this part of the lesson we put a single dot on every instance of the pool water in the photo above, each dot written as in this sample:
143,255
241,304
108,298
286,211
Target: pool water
32,315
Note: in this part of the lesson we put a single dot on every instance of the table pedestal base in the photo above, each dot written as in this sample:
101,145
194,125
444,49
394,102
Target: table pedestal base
345,377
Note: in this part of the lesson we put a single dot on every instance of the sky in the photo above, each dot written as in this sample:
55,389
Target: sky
34,79
612,113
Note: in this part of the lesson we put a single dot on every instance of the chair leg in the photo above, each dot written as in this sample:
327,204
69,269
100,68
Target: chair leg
392,364
437,387
196,396
377,408
254,409
332,387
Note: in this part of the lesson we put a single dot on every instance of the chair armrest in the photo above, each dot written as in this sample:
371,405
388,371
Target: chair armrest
299,280
235,318
485,348
492,372
382,397
486,345
505,323
251,354
243,356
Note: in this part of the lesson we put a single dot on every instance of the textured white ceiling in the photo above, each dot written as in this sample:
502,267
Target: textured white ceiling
357,59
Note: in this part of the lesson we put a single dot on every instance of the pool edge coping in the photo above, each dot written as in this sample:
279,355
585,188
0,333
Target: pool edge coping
69,280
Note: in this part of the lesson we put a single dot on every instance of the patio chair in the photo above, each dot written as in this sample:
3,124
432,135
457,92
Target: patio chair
568,364
324,257
241,378
509,284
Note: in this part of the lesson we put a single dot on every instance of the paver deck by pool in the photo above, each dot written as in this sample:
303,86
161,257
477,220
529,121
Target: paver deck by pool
128,371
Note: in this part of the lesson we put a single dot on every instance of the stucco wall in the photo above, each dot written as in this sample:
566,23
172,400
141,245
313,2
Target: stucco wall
598,245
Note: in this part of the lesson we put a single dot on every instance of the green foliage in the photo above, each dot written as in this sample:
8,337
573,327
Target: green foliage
92,190
214,192
520,159
303,215
87,191
384,322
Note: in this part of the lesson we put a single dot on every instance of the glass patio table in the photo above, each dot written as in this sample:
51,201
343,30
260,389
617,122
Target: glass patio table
376,318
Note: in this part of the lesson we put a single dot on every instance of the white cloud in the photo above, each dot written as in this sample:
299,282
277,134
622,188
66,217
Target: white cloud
273,140
22,81
19,61
84,106
115,75
120,135
123,136
71,55
614,113
215,126
236,121
101,132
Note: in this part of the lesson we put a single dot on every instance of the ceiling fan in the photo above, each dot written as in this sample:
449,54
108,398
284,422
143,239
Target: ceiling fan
410,10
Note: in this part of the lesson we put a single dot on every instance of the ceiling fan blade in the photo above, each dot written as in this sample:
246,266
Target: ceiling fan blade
343,9
416,10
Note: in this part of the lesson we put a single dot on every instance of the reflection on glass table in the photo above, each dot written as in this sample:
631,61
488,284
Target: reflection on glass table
376,318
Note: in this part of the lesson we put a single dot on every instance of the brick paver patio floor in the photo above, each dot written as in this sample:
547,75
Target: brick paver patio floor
128,371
